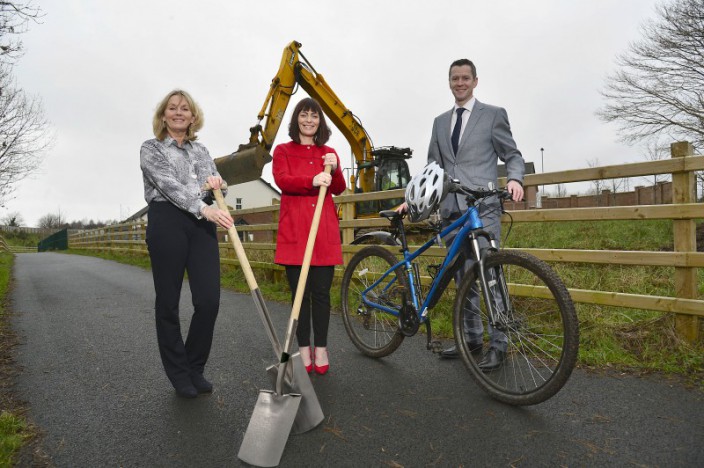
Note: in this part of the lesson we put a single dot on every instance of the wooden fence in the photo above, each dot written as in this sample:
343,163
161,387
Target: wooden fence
686,302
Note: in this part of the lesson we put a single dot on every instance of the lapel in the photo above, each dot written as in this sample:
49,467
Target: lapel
474,117
446,133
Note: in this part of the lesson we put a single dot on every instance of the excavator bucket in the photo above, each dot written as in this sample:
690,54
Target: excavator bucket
244,165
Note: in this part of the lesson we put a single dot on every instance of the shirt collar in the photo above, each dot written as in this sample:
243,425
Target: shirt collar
168,141
469,105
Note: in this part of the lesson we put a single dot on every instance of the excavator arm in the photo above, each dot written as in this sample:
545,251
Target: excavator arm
296,70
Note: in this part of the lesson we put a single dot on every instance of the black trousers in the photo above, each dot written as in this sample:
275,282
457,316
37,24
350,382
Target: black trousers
315,305
178,242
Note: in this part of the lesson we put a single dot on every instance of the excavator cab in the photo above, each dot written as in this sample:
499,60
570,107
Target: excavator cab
391,173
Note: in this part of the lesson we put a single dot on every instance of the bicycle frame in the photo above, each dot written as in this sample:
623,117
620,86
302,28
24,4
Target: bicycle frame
513,320
471,225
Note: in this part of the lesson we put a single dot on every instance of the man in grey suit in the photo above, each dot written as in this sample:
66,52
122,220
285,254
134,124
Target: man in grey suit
467,142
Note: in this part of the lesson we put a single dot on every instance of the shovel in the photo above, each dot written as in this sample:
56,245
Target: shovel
308,412
273,414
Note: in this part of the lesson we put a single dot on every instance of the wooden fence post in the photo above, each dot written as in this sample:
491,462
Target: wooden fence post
277,275
684,231
347,233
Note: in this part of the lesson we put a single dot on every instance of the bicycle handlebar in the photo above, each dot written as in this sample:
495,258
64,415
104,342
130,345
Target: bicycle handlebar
456,187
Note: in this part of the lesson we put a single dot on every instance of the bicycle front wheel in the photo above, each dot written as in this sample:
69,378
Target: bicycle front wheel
371,323
536,333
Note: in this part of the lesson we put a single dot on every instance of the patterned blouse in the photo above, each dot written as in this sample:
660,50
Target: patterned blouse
176,174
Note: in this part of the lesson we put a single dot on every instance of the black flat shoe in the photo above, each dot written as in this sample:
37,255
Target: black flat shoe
186,391
493,359
201,385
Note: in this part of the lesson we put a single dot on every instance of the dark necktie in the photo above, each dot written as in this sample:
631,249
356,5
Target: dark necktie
457,129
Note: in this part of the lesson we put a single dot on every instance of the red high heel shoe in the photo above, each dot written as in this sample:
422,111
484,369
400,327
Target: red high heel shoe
322,370
309,367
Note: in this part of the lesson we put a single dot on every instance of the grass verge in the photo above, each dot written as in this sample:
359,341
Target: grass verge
14,429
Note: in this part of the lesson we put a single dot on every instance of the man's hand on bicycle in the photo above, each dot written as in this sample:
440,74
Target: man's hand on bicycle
403,208
515,189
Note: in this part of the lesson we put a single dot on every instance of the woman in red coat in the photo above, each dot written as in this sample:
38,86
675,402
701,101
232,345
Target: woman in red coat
298,170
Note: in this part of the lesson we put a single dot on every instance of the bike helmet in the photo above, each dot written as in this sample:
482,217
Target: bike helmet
425,192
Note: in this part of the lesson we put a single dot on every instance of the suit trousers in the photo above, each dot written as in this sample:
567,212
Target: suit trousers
315,305
178,243
491,218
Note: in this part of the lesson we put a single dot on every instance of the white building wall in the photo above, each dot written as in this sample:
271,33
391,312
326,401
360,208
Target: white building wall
253,194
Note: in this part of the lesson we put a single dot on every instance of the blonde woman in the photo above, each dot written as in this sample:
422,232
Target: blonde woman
181,238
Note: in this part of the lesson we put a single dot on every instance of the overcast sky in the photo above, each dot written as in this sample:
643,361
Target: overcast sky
101,67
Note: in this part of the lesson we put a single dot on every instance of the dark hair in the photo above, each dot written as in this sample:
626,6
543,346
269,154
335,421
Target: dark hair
461,63
322,135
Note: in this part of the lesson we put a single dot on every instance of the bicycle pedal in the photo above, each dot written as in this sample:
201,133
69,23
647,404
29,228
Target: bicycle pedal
435,347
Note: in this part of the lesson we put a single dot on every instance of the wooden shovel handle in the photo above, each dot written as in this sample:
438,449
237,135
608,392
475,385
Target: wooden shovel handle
236,243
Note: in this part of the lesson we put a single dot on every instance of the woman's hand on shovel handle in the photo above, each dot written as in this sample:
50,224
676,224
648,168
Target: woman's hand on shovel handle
330,159
215,215
322,180
215,182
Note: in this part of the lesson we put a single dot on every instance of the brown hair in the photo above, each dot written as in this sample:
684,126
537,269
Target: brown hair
462,62
322,135
159,126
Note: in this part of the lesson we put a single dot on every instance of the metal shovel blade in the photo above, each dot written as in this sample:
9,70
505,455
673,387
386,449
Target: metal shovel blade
268,429
244,165
297,381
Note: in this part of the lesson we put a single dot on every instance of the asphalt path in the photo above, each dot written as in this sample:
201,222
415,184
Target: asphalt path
93,380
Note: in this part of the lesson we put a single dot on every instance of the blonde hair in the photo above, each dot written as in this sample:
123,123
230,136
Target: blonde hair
159,126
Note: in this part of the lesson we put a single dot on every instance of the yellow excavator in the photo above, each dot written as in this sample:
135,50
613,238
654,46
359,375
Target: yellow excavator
383,168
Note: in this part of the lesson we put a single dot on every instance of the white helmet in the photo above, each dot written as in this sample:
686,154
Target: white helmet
425,191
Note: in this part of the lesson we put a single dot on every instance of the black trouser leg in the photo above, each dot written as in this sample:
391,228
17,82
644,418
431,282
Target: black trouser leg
293,272
203,267
315,305
176,242
321,278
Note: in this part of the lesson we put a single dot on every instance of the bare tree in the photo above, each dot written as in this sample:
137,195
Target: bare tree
24,134
598,184
655,151
13,219
659,89
51,221
560,191
14,20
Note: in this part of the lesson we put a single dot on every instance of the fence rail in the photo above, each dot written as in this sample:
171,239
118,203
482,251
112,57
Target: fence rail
687,302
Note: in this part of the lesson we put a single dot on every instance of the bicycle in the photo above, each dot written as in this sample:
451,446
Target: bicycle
519,295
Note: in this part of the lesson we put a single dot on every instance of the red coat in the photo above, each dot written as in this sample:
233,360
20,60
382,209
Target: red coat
294,168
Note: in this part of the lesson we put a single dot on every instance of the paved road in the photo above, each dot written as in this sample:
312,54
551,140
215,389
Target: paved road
93,379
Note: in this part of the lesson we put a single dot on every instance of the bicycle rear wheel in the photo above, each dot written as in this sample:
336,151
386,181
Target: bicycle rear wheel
537,326
373,331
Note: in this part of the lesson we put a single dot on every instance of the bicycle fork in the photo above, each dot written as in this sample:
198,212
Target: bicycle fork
494,288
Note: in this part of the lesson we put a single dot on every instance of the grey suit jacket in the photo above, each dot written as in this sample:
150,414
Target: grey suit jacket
486,139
